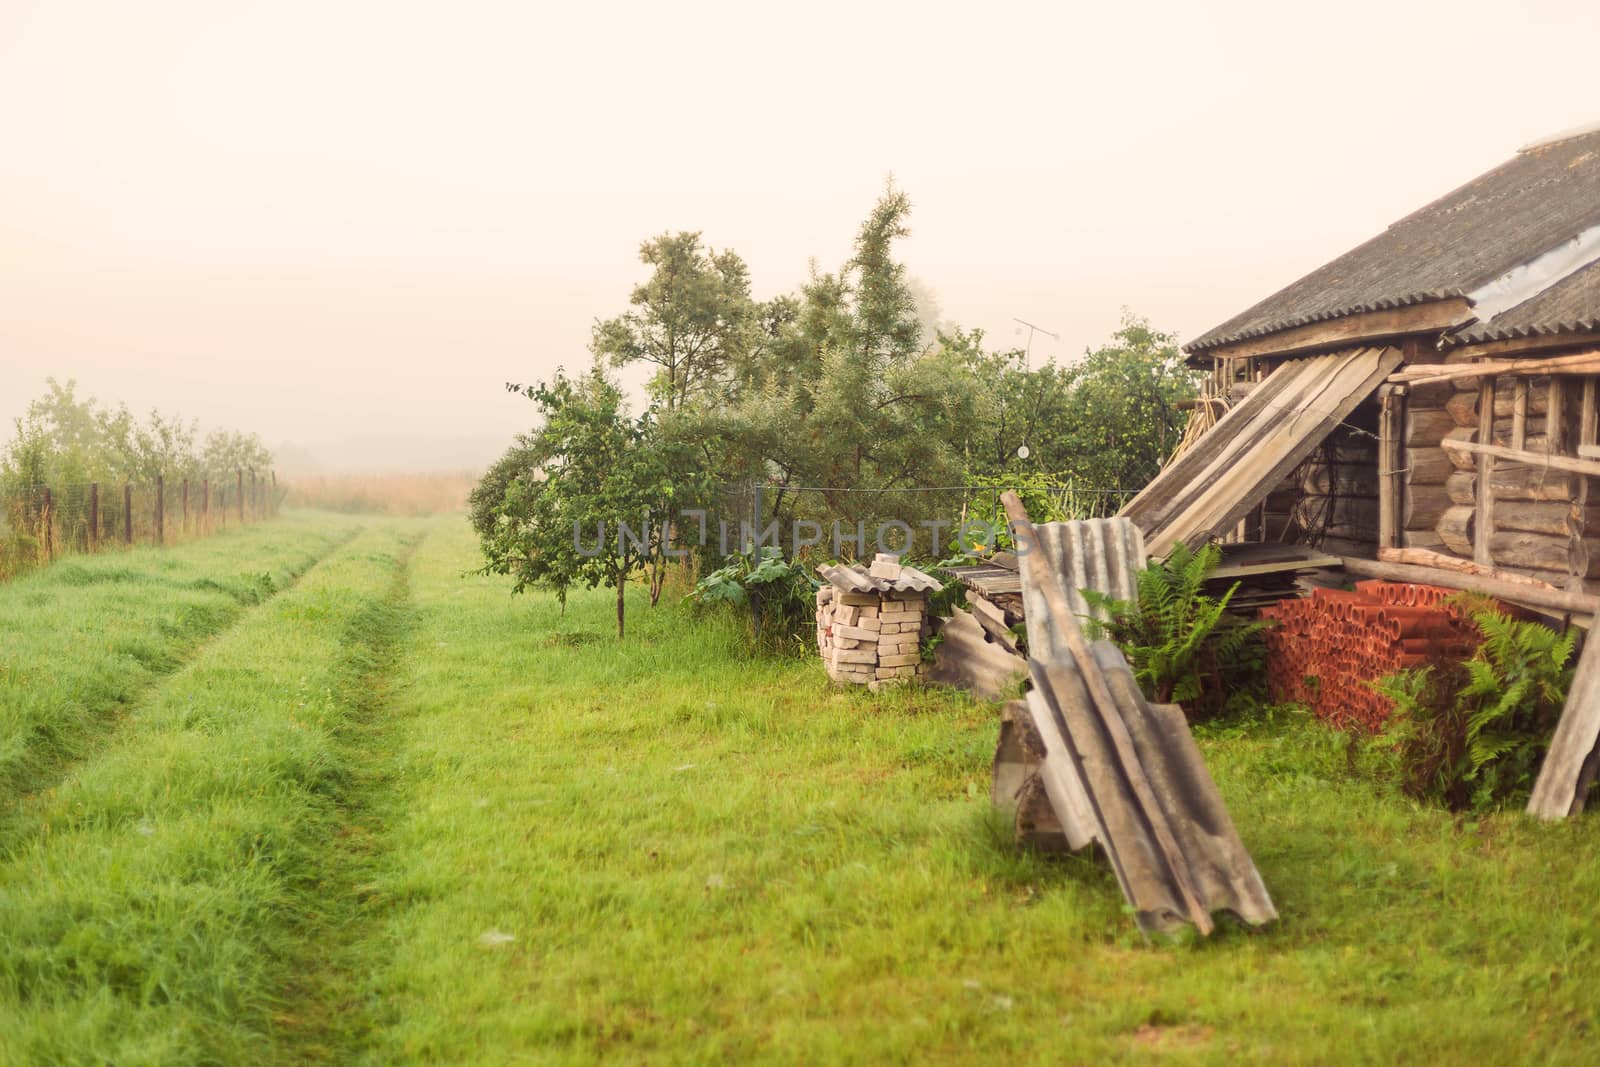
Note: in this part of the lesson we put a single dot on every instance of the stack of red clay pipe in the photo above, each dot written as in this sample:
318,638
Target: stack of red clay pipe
1325,651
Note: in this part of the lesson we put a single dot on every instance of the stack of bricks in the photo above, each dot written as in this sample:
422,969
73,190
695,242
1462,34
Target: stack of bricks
871,621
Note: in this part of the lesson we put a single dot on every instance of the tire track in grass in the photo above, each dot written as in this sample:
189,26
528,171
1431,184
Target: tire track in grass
325,1016
41,745
162,912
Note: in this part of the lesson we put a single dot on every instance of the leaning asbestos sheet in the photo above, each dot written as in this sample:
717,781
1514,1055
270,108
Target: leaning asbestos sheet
1254,446
1123,773
1574,754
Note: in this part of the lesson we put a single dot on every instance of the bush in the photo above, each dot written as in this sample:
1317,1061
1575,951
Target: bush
1471,735
780,595
1183,646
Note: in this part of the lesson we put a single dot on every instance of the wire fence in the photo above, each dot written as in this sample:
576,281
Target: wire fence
43,523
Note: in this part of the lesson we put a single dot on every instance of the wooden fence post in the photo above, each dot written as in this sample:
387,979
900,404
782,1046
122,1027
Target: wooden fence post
255,501
127,513
161,510
183,495
205,506
273,500
241,497
49,523
94,516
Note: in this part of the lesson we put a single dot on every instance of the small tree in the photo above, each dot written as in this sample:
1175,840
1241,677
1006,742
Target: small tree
585,497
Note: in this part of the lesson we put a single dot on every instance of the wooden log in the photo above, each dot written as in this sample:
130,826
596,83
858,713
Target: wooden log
1424,558
1575,603
1423,506
1459,459
1456,527
1391,411
1556,517
1540,552
1483,532
1537,460
1340,479
1429,395
1577,363
1427,426
1426,466
1463,408
1513,483
1427,539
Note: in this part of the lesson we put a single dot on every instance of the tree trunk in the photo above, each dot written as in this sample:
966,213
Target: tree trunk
622,587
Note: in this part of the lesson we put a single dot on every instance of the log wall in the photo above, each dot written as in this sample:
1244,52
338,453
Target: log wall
1543,523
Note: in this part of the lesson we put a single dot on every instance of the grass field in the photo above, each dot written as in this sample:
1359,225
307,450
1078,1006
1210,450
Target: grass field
376,811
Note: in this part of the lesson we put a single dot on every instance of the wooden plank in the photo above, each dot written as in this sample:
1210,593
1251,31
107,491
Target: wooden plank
1349,330
1533,459
1391,418
1193,500
1481,551
1519,413
1577,544
1568,768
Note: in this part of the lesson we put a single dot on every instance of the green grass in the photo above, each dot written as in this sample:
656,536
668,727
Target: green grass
397,816
177,883
85,637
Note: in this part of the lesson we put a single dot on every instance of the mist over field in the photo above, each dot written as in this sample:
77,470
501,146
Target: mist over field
343,227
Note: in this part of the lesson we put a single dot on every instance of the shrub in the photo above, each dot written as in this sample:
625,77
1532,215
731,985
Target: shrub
780,595
1183,646
1471,735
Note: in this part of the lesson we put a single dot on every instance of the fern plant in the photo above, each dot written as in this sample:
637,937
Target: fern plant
779,594
1471,735
1182,644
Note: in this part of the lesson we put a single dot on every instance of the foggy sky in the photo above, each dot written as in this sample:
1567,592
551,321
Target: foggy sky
344,225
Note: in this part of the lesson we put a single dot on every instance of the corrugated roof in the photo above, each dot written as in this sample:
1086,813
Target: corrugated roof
1248,452
854,578
1543,196
1572,305
1124,772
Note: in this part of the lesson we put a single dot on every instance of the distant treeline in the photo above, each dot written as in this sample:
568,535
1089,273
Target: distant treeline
64,440
78,476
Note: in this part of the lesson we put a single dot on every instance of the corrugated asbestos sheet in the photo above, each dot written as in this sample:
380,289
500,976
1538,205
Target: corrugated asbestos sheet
1254,446
1574,755
1099,554
1123,773
1572,305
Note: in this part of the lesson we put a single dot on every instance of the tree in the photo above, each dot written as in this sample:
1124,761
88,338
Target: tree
587,496
691,319
847,397
1122,420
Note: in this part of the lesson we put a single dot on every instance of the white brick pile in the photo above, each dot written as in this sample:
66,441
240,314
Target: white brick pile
872,636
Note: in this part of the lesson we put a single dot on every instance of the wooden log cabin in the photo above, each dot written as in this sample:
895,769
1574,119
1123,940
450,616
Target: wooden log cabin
1429,396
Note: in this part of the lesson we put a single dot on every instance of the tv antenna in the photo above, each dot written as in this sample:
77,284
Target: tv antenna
1028,347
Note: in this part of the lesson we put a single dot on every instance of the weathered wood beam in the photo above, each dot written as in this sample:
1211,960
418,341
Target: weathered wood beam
1426,373
1484,536
1391,418
1347,330
1521,455
1425,557
1548,600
